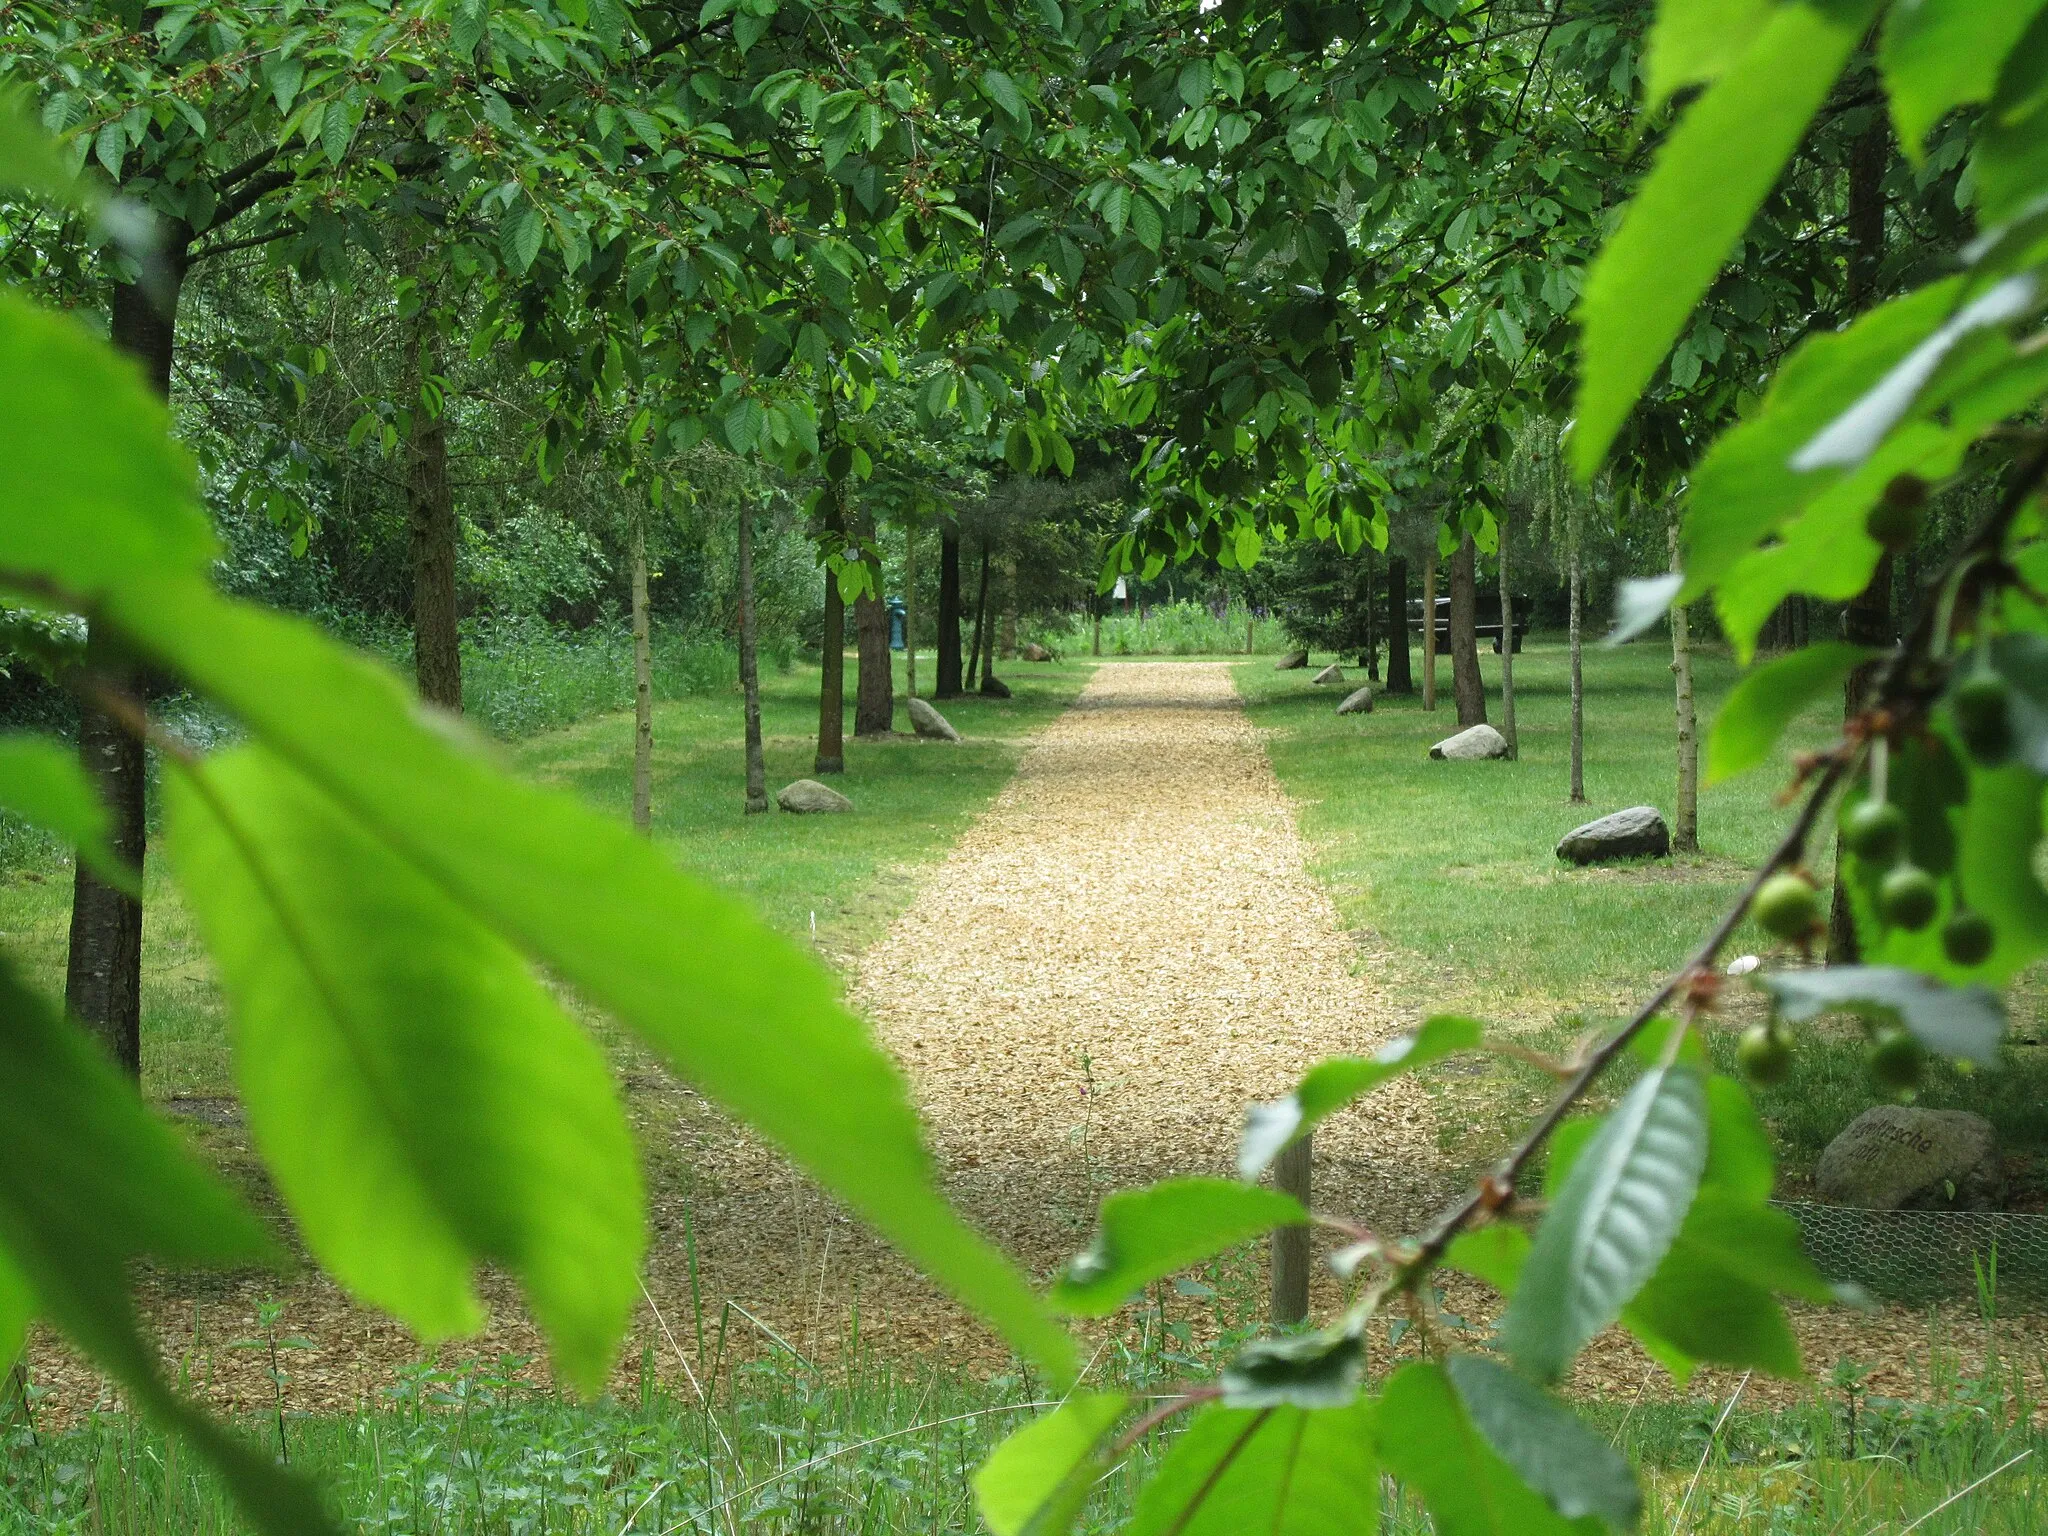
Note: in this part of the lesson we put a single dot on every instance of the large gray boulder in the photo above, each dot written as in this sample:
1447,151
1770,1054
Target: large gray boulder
1357,702
1033,651
1635,833
929,723
1480,741
1897,1158
1291,661
807,797
1330,674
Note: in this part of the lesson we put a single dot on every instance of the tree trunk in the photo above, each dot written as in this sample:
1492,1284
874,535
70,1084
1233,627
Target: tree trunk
1008,649
750,669
910,610
643,684
103,968
1370,659
1466,683
1429,626
949,611
1578,794
1292,1174
831,756
1507,650
1868,619
1685,831
430,505
979,658
874,699
1097,648
1399,678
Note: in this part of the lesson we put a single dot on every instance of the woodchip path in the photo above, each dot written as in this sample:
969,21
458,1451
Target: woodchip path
1123,953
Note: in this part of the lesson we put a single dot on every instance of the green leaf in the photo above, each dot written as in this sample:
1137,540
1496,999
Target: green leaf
30,160
1332,1084
1694,41
114,499
2011,154
1430,1443
1309,1370
519,235
2021,659
422,1101
1036,1481
1278,1471
1494,1253
1768,698
43,783
1964,1022
748,1016
90,1182
1937,56
1147,1234
1550,1449
1612,1221
2001,828
17,1309
1640,602
1002,90
1711,175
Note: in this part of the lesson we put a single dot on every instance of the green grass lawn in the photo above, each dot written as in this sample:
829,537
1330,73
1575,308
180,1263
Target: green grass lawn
1446,874
852,872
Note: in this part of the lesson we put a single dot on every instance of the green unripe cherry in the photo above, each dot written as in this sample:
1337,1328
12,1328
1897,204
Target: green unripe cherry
1875,831
1895,1059
1967,938
1908,898
1787,906
1983,708
1764,1054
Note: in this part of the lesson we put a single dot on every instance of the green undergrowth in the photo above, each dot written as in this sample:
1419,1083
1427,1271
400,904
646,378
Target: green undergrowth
1168,629
784,1449
1446,873
838,878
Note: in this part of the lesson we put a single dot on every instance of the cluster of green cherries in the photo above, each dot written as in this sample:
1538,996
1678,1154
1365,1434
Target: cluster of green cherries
1787,905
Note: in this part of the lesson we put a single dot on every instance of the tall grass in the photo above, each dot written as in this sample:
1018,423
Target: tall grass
1180,628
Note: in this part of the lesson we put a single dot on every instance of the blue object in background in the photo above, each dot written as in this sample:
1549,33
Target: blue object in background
895,623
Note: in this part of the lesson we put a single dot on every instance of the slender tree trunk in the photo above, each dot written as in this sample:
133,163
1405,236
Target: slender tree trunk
1292,1175
910,610
643,684
1008,649
1467,684
1097,647
1507,650
979,658
1868,619
949,611
1685,833
874,700
103,968
750,669
1429,626
1578,794
831,756
1399,678
430,506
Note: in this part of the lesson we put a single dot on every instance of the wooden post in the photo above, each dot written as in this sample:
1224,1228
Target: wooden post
1290,1244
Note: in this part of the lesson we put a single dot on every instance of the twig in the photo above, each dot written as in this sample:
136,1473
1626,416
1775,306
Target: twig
1944,1504
1678,1523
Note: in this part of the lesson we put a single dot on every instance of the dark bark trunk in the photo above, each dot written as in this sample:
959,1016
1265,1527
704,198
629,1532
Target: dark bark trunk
430,506
750,669
1399,678
1868,619
977,663
831,756
1429,563
910,610
949,612
1466,683
1507,649
1371,659
103,968
874,699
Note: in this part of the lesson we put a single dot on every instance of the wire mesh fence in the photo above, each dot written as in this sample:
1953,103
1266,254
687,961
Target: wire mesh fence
1922,1256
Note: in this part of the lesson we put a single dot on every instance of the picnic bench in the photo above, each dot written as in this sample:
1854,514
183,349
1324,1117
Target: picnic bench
1482,630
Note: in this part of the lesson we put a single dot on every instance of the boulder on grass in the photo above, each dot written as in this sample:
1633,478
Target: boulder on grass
1897,1158
1291,661
807,797
1330,674
1357,702
1481,741
1634,833
1033,651
929,723
994,688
